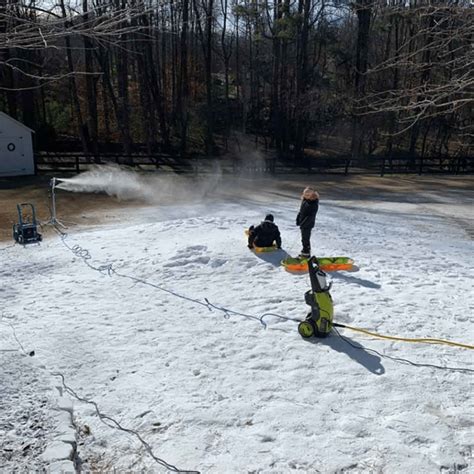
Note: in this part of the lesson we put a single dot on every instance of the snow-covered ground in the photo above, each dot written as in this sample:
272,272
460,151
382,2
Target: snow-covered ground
26,421
214,391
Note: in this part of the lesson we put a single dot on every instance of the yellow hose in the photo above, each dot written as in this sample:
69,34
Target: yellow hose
427,340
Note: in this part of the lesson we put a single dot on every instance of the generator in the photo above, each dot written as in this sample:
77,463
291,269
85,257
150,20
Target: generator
26,230
319,320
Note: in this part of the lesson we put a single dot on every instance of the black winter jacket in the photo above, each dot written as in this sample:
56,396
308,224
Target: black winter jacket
264,235
307,215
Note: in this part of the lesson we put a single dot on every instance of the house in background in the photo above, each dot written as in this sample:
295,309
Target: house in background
16,148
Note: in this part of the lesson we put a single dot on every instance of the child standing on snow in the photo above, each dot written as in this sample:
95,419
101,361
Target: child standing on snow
306,218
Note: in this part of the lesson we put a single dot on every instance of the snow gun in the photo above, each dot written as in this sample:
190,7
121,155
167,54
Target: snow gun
319,321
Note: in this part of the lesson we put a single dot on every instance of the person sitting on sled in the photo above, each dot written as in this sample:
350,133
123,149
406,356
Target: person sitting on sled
306,218
265,234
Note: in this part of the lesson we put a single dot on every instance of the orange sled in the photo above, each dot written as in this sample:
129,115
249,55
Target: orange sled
327,264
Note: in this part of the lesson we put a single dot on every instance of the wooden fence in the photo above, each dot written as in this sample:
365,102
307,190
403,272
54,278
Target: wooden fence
77,162
383,165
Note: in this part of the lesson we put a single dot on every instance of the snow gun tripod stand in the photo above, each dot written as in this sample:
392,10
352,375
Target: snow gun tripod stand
320,320
53,220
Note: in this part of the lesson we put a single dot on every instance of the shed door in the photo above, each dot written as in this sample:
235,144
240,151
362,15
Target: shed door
12,155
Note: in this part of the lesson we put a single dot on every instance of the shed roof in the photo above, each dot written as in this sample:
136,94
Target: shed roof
4,115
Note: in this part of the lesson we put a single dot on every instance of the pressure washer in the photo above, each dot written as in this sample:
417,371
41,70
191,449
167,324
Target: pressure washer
26,230
319,320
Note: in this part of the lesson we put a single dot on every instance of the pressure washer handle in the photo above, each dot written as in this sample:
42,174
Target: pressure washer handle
23,212
312,274
317,276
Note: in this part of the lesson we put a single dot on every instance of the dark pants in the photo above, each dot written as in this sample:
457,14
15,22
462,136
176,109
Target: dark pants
305,239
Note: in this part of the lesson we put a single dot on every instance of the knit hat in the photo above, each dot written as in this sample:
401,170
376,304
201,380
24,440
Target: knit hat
269,217
310,194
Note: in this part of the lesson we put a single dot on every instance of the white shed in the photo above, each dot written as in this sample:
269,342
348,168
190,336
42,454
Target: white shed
16,147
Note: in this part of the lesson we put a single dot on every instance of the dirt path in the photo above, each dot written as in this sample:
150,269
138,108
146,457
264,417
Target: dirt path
451,197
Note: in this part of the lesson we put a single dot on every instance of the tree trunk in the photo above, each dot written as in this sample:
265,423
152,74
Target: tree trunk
183,90
121,59
276,78
72,82
301,78
363,16
206,43
92,125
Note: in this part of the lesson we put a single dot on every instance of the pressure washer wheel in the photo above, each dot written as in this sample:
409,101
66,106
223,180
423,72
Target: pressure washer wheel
306,328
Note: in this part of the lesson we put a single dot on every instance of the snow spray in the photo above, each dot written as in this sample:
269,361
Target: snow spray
250,161
125,184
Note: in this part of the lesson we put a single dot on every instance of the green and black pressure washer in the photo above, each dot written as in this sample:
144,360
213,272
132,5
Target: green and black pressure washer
320,320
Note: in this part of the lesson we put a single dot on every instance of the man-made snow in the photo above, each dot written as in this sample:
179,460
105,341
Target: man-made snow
25,411
36,423
214,391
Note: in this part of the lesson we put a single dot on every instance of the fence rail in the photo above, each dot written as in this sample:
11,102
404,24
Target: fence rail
74,161
77,162
420,165
383,165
